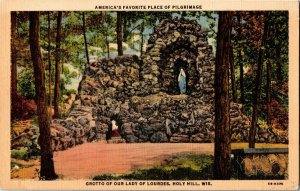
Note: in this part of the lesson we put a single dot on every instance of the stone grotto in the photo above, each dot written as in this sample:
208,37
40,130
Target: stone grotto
141,95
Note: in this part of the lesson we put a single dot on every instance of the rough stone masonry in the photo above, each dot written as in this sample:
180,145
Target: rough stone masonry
142,95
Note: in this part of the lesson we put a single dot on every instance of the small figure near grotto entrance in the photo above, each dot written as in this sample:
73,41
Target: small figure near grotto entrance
182,81
113,135
115,129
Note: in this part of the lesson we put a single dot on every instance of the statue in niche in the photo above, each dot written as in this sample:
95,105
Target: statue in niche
182,81
113,130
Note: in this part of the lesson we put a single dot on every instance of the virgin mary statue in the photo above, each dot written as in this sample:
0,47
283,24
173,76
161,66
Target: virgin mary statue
182,81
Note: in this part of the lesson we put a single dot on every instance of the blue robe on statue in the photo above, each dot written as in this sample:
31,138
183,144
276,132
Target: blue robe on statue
182,82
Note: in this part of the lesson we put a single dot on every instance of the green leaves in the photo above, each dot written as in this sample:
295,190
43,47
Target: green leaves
26,85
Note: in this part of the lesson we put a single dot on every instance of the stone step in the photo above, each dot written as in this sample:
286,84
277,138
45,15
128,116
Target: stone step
116,140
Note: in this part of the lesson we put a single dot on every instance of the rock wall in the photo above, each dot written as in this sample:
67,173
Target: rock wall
104,87
175,44
141,95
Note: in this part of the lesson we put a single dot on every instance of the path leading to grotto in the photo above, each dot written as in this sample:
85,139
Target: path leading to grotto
87,160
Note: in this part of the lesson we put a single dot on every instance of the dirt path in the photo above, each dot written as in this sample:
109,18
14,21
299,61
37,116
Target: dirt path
87,160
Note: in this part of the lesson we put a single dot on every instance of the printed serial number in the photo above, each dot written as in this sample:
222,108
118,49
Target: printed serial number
275,183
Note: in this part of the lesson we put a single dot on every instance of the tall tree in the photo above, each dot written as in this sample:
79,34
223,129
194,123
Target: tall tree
107,45
49,63
241,67
222,149
107,30
57,65
85,41
106,34
142,36
278,65
268,90
14,92
258,80
119,33
47,171
232,76
124,22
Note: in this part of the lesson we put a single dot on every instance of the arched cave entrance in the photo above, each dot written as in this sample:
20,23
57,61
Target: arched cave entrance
174,58
173,42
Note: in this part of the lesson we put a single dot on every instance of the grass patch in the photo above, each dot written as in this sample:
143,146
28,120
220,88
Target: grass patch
13,164
19,154
180,167
106,177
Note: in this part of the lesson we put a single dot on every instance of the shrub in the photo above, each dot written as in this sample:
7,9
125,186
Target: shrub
19,154
23,108
26,85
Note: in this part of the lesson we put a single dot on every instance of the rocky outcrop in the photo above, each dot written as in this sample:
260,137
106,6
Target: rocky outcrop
142,96
24,136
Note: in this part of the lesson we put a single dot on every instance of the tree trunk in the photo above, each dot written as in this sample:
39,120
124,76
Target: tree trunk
125,31
107,44
49,65
57,66
222,150
47,166
142,36
268,90
268,93
119,33
278,66
106,33
14,88
242,98
85,41
256,92
232,76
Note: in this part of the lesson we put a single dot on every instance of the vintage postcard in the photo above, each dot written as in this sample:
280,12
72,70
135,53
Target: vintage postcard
129,95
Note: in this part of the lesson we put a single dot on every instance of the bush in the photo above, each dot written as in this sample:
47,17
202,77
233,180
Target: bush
26,82
23,108
19,154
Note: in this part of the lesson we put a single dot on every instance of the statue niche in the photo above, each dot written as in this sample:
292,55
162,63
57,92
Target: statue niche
179,60
182,77
172,56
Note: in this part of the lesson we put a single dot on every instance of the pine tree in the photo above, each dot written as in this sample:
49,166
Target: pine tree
14,92
57,91
222,164
47,171
258,81
85,41
119,33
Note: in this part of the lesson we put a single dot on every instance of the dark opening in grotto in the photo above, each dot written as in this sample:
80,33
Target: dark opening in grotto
178,65
115,121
